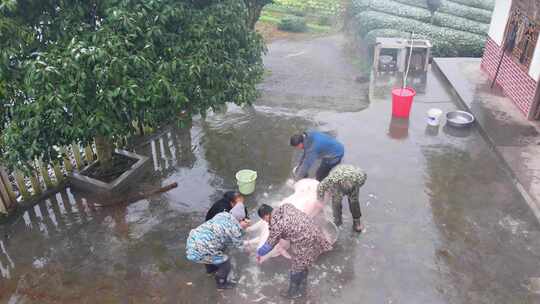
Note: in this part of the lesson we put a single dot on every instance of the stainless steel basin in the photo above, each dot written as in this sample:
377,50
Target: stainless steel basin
459,119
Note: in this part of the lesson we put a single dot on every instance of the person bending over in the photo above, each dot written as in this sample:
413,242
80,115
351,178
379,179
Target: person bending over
344,180
207,243
317,145
307,243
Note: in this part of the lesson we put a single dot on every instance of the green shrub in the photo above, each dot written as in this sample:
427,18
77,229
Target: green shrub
446,42
472,13
296,12
417,3
329,7
458,23
480,4
394,8
324,20
293,24
421,14
483,4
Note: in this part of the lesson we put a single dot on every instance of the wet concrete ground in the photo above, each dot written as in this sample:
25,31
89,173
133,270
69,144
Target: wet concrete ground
513,137
444,222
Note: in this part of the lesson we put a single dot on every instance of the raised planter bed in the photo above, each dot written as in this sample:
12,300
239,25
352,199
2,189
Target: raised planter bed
111,184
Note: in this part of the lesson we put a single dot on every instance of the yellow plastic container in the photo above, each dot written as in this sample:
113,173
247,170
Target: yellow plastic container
245,180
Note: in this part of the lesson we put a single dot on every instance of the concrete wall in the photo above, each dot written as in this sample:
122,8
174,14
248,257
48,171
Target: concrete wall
499,19
534,68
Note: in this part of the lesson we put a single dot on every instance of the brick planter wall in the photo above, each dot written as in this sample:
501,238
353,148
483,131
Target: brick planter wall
513,79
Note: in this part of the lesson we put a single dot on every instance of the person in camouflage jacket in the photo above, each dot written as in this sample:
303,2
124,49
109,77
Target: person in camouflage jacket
344,180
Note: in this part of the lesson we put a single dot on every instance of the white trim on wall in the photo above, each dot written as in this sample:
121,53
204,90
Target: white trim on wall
499,18
534,68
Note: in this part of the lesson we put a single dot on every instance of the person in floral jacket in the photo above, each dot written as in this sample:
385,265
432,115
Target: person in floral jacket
307,242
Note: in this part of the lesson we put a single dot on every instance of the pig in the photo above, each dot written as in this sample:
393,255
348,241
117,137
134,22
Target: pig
305,199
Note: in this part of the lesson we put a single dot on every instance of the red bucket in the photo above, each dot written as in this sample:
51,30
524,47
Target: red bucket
402,99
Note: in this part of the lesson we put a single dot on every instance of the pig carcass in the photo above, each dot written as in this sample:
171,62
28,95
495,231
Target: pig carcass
305,199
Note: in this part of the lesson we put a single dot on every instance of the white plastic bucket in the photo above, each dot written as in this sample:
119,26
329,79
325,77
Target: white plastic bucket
434,117
246,181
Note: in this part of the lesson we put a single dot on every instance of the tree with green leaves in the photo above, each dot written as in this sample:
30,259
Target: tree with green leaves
85,70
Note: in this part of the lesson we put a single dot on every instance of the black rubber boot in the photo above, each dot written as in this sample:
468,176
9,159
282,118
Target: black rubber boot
295,286
221,276
211,268
357,225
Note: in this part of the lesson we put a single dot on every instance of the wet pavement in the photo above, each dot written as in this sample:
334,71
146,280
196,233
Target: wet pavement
514,138
444,223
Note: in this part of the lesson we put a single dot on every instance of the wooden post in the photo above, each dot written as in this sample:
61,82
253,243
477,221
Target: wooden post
5,199
88,154
36,185
44,170
58,172
77,154
9,185
3,206
21,184
66,160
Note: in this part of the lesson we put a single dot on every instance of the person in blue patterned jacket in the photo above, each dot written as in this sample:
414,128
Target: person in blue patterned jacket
207,243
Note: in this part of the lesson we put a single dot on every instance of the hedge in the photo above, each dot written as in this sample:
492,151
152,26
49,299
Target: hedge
396,8
421,14
330,7
446,42
458,23
417,3
472,13
293,24
483,4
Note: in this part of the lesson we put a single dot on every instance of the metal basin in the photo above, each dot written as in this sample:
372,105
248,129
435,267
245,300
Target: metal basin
459,119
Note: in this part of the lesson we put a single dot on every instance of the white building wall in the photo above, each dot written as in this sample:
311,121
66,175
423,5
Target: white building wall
534,68
499,19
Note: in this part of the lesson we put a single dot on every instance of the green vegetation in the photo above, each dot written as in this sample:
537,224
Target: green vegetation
293,24
315,16
74,71
454,29
326,7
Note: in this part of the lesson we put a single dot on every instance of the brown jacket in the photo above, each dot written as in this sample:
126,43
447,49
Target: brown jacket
307,240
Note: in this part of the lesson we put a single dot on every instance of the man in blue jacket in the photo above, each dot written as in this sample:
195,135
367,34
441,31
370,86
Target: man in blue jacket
317,145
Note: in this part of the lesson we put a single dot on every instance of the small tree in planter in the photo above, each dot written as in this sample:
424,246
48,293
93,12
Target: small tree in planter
105,65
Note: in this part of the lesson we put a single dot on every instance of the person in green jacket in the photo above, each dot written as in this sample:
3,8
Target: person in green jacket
344,180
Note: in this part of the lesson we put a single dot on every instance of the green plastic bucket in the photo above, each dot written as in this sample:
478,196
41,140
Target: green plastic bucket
245,180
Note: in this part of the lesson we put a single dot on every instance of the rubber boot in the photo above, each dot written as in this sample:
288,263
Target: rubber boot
357,225
221,276
295,285
303,283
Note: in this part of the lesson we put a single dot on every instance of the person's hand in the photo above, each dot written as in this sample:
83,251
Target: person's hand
259,259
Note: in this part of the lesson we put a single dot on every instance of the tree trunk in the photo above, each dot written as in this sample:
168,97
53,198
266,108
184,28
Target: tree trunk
254,8
104,150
